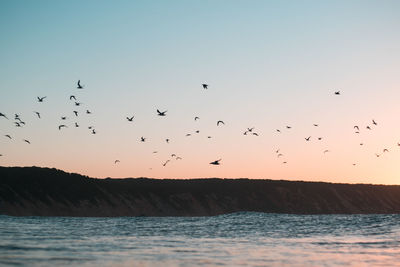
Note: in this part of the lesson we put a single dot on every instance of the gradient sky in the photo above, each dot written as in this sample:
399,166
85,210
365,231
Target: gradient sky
268,63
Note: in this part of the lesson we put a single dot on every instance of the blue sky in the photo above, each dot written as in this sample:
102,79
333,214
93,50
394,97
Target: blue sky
268,63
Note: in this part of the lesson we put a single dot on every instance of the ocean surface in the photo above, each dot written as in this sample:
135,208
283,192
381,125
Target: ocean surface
239,239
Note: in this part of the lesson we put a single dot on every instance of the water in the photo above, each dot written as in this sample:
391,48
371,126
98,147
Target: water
252,239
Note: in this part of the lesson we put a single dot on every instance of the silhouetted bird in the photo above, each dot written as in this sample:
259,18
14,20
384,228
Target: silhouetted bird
197,131
316,125
277,151
7,135
130,119
90,127
76,113
188,134
288,127
17,124
3,115
164,164
374,122
173,155
279,155
278,130
38,114
250,129
79,85
72,97
159,113
178,158
40,99
167,140
16,116
326,151
142,139
155,152
337,93
205,86
385,150
196,118
93,131
76,124
369,128
219,122
356,127
361,144
63,118
27,141
116,161
398,144
88,112
377,155
78,103
256,134
209,137
216,162
319,138
308,138
61,126
284,162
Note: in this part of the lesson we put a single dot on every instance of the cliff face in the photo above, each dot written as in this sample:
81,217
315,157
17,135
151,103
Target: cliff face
36,191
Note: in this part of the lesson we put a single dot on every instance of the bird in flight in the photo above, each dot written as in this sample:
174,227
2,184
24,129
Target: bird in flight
356,127
178,158
173,155
219,122
385,150
256,134
93,131
40,99
72,97
27,141
188,134
78,103
374,122
279,155
76,124
116,161
205,86
17,124
326,151
159,113
316,125
61,126
308,138
7,135
196,118
63,118
142,139
3,115
76,113
88,112
319,138
278,130
337,93
369,128
130,119
250,129
79,85
288,127
167,140
38,114
165,163
216,162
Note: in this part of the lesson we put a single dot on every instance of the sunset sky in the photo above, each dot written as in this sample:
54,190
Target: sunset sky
268,64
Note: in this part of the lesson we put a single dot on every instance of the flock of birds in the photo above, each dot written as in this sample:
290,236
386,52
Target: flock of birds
19,122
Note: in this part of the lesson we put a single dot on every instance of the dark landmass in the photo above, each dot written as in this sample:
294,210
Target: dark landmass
33,191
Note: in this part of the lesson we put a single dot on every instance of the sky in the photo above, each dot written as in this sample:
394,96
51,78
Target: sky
269,64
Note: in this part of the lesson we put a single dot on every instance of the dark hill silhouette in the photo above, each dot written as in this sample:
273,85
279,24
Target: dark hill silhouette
33,191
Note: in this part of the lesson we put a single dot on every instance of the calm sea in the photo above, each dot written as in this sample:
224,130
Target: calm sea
252,239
